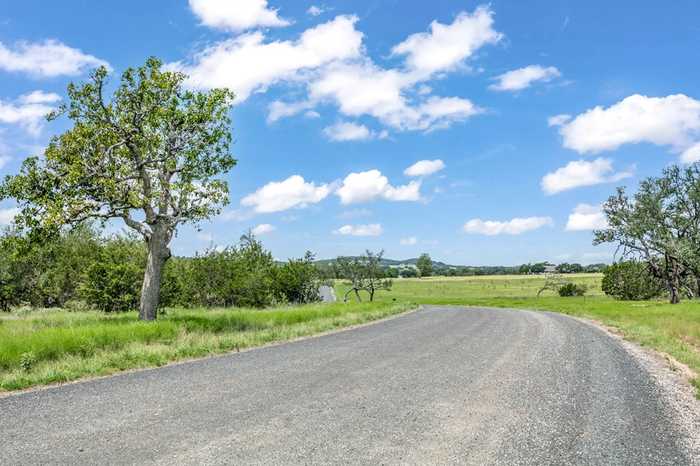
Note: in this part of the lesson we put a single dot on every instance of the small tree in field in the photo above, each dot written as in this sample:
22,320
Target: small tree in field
425,265
364,273
150,155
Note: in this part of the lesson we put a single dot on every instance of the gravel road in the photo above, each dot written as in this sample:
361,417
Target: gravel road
437,386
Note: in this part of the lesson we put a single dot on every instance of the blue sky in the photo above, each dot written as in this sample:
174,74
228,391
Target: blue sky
524,116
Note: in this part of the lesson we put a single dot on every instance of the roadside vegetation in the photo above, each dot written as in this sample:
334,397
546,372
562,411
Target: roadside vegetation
40,347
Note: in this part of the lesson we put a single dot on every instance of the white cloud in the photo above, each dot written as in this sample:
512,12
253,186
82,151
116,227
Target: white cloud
330,60
522,78
293,192
279,109
370,185
664,121
558,120
441,112
515,226
263,229
424,168
315,10
39,97
410,241
586,217
373,229
25,113
46,59
7,216
448,46
345,131
247,63
365,89
691,154
312,114
582,173
236,15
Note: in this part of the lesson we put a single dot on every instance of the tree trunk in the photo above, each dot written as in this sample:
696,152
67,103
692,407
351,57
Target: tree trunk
357,294
674,287
158,253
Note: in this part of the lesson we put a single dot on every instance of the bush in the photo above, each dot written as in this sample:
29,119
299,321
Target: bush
631,280
572,289
113,281
298,281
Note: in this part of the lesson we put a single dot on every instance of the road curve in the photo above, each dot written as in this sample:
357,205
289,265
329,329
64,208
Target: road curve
438,386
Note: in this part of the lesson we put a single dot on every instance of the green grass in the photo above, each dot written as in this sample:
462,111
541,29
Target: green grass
672,329
44,347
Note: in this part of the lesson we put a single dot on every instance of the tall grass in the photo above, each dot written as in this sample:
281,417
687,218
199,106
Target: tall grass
59,346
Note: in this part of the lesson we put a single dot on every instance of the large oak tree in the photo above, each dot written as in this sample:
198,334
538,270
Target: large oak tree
152,155
660,224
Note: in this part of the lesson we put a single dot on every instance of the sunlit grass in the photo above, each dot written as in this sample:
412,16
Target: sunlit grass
59,346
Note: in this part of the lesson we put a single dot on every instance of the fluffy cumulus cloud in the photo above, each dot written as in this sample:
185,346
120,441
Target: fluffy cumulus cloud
28,111
263,229
447,46
586,217
522,78
329,60
46,59
672,121
248,63
370,185
345,131
514,226
424,168
7,216
236,15
582,173
410,241
363,88
294,192
372,229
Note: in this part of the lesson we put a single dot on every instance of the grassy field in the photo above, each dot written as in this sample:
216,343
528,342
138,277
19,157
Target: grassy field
43,347
672,329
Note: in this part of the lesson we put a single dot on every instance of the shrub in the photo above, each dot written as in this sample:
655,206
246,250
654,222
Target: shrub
298,281
113,282
631,280
572,289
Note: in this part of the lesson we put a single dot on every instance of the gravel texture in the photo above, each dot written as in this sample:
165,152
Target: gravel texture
437,386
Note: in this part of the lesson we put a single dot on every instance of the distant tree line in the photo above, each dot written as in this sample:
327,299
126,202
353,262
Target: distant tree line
331,269
82,268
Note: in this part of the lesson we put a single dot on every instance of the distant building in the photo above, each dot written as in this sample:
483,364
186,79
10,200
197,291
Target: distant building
549,268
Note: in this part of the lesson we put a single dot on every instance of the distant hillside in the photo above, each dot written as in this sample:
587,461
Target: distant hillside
394,262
